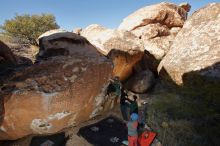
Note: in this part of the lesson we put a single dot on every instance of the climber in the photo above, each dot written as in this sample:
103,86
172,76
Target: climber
132,130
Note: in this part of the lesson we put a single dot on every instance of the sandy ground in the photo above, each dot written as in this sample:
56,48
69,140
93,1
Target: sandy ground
75,140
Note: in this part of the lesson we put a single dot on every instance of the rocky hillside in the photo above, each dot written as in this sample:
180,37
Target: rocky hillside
159,53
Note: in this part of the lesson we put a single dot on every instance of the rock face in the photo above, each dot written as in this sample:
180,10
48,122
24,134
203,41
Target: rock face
185,6
140,82
124,48
124,62
164,13
59,91
93,33
7,61
6,55
25,54
196,47
156,26
58,42
107,39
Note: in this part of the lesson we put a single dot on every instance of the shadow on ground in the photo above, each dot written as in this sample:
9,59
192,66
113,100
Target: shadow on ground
51,140
110,131
188,114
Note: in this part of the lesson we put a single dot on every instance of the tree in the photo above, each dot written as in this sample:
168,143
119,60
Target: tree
27,28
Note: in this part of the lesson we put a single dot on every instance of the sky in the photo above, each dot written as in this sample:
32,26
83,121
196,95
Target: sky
72,14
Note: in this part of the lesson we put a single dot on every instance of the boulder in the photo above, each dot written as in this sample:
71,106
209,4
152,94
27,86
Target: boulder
156,26
59,42
26,54
124,62
10,61
196,48
7,62
6,55
107,39
57,92
92,31
159,44
123,47
165,13
140,82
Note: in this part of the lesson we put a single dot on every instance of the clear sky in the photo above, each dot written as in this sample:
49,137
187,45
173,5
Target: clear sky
81,13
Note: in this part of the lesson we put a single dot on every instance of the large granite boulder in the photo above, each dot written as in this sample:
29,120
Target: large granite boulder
61,90
107,39
92,31
59,42
6,55
10,61
196,48
156,25
125,62
7,62
123,47
164,13
140,82
25,54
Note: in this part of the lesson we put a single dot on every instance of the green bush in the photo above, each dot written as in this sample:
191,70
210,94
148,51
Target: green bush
26,28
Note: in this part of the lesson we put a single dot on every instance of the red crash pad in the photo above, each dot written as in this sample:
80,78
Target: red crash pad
146,138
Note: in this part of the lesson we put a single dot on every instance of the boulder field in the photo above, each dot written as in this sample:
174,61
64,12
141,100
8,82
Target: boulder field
67,83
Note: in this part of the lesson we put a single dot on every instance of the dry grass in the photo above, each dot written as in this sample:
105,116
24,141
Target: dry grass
185,117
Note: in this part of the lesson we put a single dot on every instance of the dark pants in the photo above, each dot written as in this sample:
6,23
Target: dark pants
124,111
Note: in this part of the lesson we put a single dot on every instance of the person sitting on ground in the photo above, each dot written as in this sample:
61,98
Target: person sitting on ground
132,130
123,104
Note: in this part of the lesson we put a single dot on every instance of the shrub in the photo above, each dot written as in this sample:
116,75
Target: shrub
26,28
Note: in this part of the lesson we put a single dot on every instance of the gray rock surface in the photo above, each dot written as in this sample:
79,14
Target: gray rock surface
196,47
140,82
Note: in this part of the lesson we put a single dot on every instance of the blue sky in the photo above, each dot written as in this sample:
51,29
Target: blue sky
81,13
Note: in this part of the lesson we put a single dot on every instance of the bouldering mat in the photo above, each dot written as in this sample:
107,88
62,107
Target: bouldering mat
51,140
110,131
146,138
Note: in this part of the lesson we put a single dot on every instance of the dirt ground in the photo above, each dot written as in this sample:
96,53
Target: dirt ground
75,140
